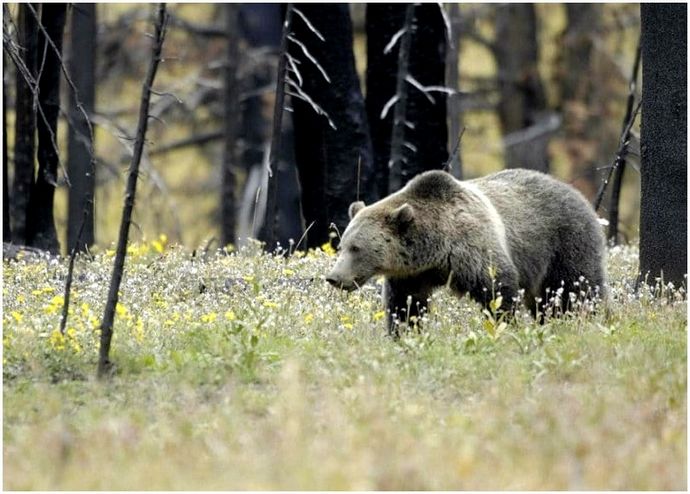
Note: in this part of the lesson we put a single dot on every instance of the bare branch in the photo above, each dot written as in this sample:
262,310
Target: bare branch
389,104
309,56
300,94
446,21
414,82
394,40
309,24
293,68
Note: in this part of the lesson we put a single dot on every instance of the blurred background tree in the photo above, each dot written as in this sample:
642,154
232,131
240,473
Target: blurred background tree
561,108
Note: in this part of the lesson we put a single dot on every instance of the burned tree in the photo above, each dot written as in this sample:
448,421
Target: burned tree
40,231
332,145
663,208
231,126
424,130
82,68
25,122
104,363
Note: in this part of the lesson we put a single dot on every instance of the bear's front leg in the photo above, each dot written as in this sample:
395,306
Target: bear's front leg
406,300
504,285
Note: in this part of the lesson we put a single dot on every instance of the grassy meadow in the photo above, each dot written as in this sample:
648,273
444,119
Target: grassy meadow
246,371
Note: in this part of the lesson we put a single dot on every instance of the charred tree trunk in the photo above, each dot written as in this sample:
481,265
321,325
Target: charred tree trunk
328,158
6,229
260,25
268,229
427,140
522,108
453,82
80,164
41,232
104,363
231,125
25,125
663,207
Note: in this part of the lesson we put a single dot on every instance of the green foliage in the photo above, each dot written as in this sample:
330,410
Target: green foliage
246,371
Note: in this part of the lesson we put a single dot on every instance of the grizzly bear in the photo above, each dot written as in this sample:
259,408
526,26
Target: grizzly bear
516,229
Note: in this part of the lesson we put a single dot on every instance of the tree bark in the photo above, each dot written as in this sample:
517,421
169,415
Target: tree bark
6,229
663,207
41,232
328,158
268,229
453,82
427,141
522,103
104,363
80,164
231,128
25,125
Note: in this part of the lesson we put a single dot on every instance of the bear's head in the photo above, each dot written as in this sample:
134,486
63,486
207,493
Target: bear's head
375,242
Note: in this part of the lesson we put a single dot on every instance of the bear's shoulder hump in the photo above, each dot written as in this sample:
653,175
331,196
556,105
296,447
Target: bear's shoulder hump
433,184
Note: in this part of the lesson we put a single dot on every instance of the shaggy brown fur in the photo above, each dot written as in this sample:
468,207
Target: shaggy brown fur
535,232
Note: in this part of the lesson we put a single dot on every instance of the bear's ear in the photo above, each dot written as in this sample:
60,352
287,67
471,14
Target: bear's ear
355,208
402,216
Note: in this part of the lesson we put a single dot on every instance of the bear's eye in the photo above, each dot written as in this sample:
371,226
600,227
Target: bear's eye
354,248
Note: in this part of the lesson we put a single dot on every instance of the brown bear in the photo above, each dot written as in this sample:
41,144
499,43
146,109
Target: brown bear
516,229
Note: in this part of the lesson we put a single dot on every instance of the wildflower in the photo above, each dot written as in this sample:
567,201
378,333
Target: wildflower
230,315
308,318
269,304
139,330
379,315
288,272
328,249
209,318
17,316
121,310
57,340
159,245
347,321
56,304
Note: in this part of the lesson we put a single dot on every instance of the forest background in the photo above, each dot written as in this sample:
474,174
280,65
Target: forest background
576,106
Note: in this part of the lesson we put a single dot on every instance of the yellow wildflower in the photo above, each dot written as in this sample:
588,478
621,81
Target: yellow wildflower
121,310
328,249
308,318
379,315
269,304
57,340
17,316
209,318
288,272
230,315
139,330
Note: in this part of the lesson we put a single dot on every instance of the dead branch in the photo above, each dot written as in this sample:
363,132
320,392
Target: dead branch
620,162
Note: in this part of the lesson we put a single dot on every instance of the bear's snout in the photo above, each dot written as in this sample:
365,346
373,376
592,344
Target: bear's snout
340,282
